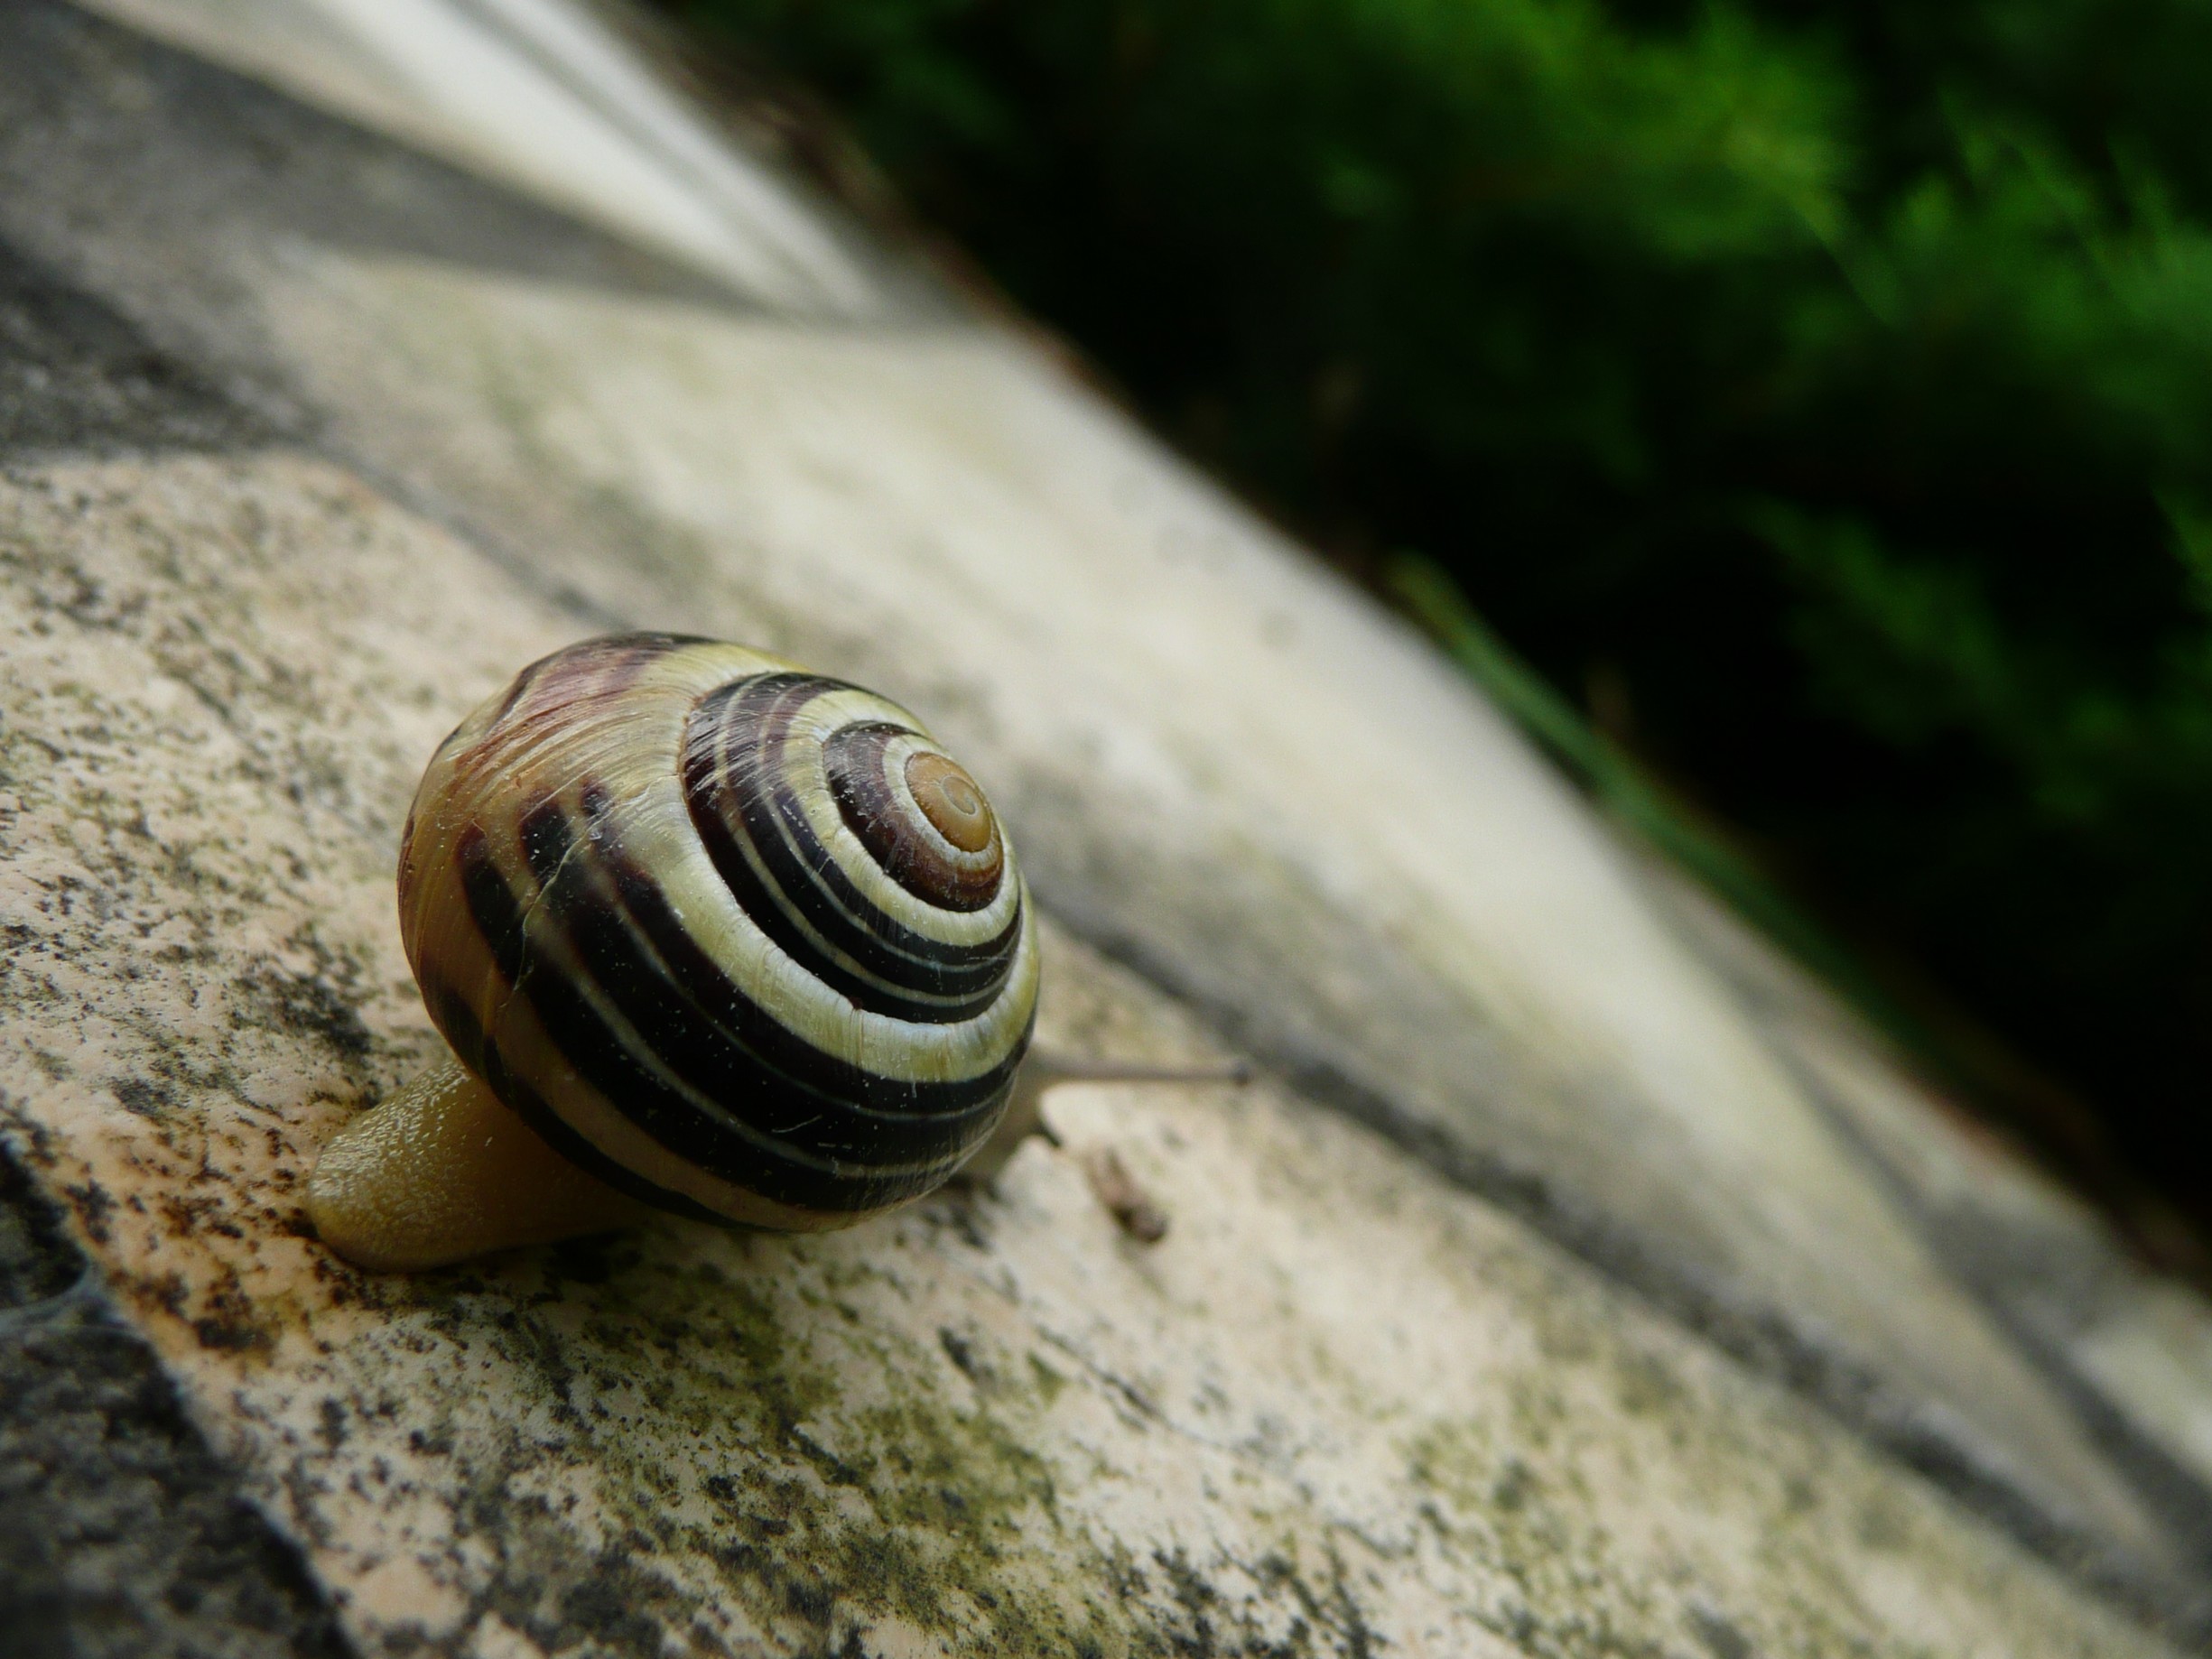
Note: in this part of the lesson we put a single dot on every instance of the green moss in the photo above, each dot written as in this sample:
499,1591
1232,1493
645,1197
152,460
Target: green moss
1049,1382
836,1473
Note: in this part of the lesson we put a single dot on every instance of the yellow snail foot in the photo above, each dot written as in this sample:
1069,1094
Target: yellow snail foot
440,1171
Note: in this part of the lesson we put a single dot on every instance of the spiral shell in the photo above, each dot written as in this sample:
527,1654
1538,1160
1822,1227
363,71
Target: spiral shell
739,940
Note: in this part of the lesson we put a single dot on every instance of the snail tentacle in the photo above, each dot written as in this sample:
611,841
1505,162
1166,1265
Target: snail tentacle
1043,1069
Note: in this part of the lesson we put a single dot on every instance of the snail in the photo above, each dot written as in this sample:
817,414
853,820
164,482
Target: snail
706,934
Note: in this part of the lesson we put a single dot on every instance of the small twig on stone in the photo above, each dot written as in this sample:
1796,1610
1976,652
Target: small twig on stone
1125,1200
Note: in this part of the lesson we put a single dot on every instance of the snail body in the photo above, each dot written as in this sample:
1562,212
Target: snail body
707,934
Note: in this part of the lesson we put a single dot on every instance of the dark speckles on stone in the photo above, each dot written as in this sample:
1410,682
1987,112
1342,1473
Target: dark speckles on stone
308,1004
811,1600
1193,1594
961,1351
216,1332
120,1530
94,1204
605,1606
229,1322
1515,1487
958,1207
1339,1613
143,1096
1721,1638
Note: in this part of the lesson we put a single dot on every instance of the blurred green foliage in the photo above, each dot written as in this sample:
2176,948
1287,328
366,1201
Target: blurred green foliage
1821,392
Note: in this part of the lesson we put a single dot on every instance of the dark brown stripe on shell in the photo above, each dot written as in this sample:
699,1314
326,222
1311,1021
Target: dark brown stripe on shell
698,1021
856,759
482,1056
755,895
767,852
781,1170
755,718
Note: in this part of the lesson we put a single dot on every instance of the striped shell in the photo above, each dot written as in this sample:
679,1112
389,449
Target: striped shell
739,940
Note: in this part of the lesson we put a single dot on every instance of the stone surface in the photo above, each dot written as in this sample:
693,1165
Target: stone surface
1344,1407
2134,1350
121,1533
546,96
323,408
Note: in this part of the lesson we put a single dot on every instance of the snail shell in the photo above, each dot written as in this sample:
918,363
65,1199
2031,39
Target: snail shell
741,940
